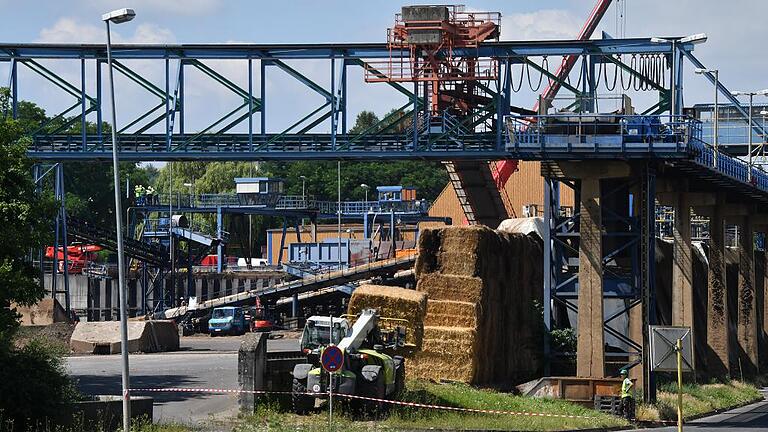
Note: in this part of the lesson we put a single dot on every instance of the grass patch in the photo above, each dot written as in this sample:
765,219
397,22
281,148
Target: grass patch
272,418
166,427
697,399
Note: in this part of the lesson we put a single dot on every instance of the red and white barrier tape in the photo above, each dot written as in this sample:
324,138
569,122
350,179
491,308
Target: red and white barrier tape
393,402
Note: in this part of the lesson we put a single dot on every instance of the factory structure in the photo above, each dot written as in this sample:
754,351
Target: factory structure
645,210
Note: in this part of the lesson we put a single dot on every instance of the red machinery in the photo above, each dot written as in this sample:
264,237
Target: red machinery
260,317
425,39
504,169
78,256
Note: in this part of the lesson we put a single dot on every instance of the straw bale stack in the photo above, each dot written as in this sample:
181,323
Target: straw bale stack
482,324
393,302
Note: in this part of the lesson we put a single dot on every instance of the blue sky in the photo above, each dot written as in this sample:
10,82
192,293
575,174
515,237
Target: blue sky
736,39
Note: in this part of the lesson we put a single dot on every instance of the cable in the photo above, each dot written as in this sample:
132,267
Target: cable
530,84
511,77
615,77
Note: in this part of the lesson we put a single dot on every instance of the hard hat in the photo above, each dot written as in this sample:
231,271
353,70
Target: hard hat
623,372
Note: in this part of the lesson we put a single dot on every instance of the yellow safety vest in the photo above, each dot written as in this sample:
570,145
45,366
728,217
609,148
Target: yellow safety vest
626,388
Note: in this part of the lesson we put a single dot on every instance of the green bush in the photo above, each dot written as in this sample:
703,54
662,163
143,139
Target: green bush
34,385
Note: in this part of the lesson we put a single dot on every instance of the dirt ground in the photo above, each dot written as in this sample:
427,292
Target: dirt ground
57,333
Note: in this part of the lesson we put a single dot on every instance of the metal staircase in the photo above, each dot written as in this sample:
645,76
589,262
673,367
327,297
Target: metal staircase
478,194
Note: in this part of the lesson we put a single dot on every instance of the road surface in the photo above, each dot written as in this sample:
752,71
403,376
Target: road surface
202,362
749,418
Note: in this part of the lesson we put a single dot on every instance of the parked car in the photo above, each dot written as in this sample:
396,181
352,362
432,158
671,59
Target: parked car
227,320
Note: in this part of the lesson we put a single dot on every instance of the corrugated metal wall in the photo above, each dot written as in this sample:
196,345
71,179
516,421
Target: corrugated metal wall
324,232
525,187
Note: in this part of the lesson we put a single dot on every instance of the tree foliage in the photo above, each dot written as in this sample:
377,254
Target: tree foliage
429,178
24,226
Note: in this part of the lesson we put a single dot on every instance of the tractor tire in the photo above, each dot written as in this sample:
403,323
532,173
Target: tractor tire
399,377
376,390
302,404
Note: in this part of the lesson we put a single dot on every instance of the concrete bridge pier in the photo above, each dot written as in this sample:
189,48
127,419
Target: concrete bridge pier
590,349
747,310
718,336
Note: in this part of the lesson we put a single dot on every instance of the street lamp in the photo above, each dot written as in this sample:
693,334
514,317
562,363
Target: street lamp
751,95
303,190
715,111
119,16
365,187
191,195
694,39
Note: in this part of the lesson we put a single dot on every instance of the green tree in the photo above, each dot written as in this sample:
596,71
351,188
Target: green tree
88,185
24,226
429,178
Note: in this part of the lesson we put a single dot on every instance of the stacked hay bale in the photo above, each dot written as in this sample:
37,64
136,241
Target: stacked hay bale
483,322
393,302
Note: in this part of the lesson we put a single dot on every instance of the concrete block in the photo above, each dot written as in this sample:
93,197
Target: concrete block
251,364
103,337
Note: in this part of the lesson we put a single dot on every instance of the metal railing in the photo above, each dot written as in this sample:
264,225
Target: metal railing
730,166
574,132
283,202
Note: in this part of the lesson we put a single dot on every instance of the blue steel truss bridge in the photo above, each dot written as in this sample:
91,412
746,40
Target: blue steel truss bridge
619,160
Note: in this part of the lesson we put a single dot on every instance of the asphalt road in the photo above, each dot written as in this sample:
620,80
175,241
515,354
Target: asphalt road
749,418
202,362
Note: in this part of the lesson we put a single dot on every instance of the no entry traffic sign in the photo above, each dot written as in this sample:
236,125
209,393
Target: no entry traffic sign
332,358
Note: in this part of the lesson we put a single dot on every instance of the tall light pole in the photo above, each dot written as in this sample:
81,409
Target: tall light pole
303,189
695,38
365,187
751,95
190,186
715,111
119,16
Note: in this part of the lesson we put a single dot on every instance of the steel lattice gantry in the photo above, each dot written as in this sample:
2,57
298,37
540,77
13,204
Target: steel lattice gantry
163,131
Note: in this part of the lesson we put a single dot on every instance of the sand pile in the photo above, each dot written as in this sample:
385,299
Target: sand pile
393,302
483,323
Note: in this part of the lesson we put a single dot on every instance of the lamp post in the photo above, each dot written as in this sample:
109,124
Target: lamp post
303,189
695,38
365,187
119,16
715,111
191,195
751,95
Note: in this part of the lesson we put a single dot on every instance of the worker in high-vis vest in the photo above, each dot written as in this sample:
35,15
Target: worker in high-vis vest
627,396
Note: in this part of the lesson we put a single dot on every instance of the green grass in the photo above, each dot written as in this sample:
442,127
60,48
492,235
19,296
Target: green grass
698,399
272,418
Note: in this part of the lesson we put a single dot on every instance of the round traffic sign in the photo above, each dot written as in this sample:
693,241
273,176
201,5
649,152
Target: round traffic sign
332,358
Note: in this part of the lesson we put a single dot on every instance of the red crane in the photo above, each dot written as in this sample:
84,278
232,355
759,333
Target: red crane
505,168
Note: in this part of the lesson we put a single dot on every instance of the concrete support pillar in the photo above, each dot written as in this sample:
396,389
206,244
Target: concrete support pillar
590,355
761,284
717,300
636,334
747,307
251,364
682,264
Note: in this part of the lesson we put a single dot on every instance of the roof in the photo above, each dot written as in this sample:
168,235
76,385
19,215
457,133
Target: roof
256,179
393,188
